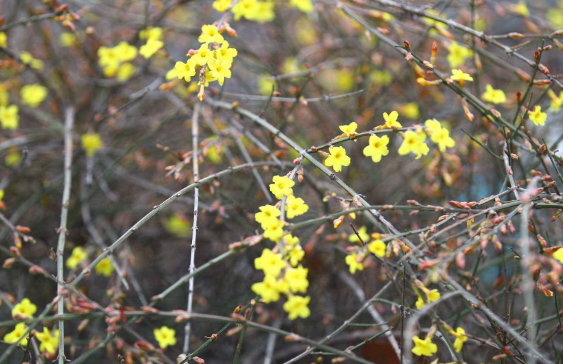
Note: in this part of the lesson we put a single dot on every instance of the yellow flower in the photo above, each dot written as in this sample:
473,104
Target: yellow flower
267,215
15,335
210,34
108,57
432,126
220,70
125,52
391,120
9,117
295,206
124,72
274,230
28,59
382,78
267,289
222,5
362,231
24,309
443,139
225,53
414,143
67,40
377,247
33,95
202,56
559,255
91,143
494,96
556,102
410,110
432,295
439,135
178,225
281,286
296,306
165,337
457,54
1,194
377,147
420,302
432,21
537,116
337,158
245,8
305,31
555,17
349,130
263,12
185,70
269,262
281,187
149,49
104,267
78,255
171,74
265,86
354,265
521,9
305,6
49,343
295,255
154,33
3,39
12,158
424,347
460,338
290,240
296,279
459,75
111,71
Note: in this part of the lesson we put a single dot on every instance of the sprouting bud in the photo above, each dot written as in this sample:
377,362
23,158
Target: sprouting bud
407,45
434,51
515,35
8,263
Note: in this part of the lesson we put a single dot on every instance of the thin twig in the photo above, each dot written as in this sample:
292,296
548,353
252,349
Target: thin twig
195,143
69,124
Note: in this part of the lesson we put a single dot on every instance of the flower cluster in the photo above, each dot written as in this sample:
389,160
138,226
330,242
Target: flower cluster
283,278
260,11
425,347
212,61
413,141
376,246
77,256
116,61
431,294
153,36
283,273
25,310
32,95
